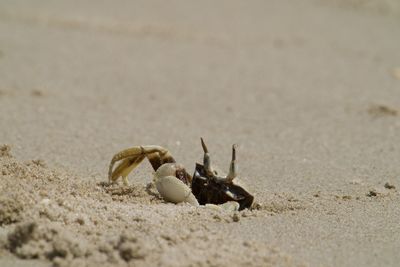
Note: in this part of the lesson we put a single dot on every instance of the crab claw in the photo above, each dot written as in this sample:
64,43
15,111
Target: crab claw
206,159
170,187
232,168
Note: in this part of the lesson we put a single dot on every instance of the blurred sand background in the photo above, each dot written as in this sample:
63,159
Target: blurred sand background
309,90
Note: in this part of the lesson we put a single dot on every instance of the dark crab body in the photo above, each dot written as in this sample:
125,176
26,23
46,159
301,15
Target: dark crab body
208,190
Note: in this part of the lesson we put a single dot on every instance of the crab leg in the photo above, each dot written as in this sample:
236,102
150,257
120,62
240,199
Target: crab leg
125,167
132,157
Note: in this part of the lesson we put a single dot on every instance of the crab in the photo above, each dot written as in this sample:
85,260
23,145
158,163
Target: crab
174,184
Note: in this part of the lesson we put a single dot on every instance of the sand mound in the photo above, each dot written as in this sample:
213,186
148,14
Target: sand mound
53,215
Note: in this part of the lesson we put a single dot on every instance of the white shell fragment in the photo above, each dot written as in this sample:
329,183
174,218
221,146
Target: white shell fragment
227,206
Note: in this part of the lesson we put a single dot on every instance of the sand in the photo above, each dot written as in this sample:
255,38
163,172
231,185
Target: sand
309,90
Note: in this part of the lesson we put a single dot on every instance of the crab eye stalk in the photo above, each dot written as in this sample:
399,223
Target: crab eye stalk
206,159
233,167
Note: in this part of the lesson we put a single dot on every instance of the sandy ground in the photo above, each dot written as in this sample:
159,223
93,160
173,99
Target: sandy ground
309,90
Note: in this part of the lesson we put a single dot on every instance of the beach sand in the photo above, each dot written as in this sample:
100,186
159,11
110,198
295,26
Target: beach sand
308,90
